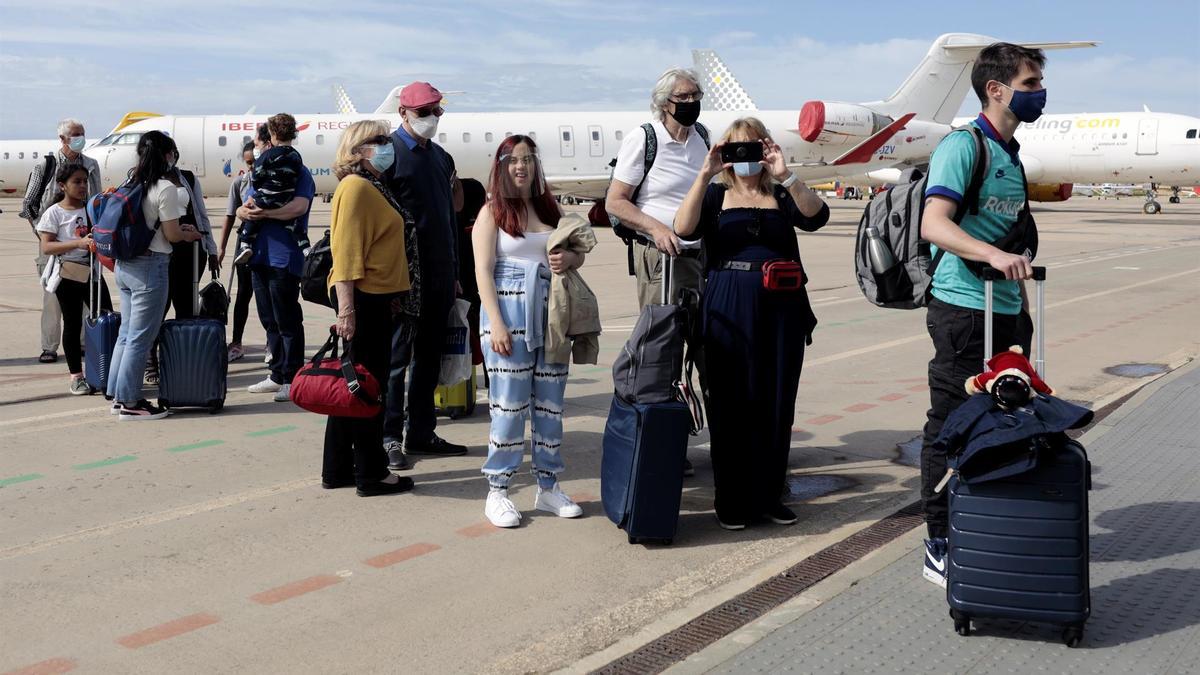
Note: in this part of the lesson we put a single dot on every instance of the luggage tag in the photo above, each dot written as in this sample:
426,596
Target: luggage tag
942,483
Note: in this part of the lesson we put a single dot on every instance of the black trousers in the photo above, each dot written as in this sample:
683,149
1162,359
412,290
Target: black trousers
73,297
754,345
957,334
241,301
354,445
181,280
419,361
277,293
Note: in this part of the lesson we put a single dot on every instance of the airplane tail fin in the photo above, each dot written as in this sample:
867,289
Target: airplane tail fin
720,86
342,102
391,102
936,87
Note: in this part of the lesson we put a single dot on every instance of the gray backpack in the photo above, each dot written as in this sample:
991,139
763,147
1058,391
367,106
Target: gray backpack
896,215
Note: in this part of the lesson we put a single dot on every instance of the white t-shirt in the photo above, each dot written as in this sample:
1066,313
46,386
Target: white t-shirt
65,225
675,169
161,203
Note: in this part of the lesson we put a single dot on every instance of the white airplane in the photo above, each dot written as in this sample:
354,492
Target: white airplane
17,159
821,139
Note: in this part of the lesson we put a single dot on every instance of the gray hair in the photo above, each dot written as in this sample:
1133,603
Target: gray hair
666,84
64,126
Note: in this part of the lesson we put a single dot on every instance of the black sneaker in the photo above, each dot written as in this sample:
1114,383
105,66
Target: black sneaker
397,461
728,522
244,253
688,469
404,484
142,410
48,357
335,483
435,446
780,515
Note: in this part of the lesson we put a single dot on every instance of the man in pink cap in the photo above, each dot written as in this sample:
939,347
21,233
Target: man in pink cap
423,180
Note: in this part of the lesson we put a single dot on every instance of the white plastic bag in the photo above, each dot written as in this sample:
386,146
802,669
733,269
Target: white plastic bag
456,354
52,274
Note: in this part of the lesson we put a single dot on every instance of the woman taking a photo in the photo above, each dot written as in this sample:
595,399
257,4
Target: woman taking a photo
239,192
513,269
64,232
143,281
369,283
754,332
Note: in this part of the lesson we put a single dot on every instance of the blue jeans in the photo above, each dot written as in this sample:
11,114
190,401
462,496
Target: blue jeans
277,293
142,283
522,387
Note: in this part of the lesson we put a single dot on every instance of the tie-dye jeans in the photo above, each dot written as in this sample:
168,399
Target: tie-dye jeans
521,386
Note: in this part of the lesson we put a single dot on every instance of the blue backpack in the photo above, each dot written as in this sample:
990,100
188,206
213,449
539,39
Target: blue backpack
118,225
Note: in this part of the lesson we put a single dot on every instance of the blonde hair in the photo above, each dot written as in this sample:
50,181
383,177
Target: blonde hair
350,145
751,129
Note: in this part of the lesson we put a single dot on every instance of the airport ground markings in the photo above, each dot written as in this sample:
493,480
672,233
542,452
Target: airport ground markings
295,589
47,667
4,482
196,446
271,432
168,630
104,462
400,555
477,530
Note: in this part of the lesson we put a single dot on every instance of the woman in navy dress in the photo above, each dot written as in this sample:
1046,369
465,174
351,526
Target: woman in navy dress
754,337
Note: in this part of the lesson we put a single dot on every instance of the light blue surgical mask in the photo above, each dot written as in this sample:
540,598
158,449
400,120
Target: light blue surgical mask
76,143
747,169
383,157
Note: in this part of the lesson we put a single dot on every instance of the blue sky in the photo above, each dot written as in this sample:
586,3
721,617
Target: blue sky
97,59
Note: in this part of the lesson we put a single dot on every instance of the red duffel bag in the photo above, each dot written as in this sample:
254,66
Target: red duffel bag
333,386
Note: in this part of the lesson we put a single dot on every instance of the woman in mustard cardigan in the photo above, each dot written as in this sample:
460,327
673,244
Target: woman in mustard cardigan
374,289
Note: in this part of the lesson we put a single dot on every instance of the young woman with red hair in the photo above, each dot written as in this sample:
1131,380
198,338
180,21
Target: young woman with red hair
513,267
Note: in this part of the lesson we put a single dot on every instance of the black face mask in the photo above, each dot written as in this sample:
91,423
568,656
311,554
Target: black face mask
687,112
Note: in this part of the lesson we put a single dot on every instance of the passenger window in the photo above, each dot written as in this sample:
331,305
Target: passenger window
221,141
1124,135
35,155
6,155
466,137
245,140
595,135
566,135
441,138
320,139
620,134
507,134
488,137
20,155
1191,133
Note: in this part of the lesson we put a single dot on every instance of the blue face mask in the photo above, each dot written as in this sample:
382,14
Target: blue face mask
1026,106
383,157
76,143
746,169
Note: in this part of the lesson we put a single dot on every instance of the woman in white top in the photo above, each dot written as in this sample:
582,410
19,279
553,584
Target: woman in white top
142,281
513,270
65,232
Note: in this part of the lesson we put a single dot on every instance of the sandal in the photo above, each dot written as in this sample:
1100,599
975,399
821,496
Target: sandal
236,352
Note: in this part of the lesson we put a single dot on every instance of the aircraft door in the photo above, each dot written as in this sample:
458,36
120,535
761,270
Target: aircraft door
595,140
189,136
566,141
1147,137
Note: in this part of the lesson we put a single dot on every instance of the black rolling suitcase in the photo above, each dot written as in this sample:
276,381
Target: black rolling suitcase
1018,545
192,364
645,441
100,332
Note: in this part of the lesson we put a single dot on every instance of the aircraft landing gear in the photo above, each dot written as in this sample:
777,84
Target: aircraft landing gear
1174,198
1151,206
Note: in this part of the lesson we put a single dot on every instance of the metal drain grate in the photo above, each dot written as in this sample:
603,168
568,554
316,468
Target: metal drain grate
727,617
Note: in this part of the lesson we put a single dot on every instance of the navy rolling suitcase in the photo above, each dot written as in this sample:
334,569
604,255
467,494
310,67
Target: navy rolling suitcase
192,363
641,468
100,331
1018,546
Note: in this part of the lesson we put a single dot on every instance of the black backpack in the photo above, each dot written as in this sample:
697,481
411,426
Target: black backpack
314,275
628,234
35,208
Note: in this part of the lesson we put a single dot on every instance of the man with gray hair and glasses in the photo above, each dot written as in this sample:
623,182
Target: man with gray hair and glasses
38,197
646,201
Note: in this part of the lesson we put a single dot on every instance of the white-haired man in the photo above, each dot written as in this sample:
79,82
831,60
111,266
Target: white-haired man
37,199
646,201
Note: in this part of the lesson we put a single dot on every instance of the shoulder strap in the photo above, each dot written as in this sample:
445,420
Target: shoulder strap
703,131
651,152
47,178
970,201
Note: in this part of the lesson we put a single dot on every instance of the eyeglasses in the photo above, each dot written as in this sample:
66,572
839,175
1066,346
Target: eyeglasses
429,110
519,160
686,97
377,140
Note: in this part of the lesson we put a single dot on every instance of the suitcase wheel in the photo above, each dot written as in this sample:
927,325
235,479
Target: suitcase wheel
164,403
962,623
1072,636
456,413
633,539
215,407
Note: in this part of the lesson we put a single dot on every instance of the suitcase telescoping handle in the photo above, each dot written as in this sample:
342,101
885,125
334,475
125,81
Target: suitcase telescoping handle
94,286
991,275
196,278
669,267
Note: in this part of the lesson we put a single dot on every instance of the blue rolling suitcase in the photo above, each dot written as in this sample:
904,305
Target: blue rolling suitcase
192,364
1018,546
100,331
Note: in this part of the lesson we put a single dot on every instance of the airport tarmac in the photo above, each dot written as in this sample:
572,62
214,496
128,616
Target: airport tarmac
205,543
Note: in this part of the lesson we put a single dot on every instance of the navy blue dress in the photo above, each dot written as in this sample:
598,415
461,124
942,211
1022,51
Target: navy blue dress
754,343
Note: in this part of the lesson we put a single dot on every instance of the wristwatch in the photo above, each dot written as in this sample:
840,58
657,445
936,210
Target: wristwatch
789,181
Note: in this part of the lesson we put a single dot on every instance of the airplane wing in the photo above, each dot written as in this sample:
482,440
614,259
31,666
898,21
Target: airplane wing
720,86
585,186
864,151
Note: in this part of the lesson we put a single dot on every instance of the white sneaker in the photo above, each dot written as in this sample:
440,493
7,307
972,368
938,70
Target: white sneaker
267,386
267,358
500,509
284,394
557,502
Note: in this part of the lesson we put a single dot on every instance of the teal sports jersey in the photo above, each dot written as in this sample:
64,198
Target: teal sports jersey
1001,199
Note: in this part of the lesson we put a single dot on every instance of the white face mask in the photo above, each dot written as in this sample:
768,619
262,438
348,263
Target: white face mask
425,127
256,152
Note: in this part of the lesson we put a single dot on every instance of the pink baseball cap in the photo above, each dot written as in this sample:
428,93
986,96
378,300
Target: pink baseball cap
419,95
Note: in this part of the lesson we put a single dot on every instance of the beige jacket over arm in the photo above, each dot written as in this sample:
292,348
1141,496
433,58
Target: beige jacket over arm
573,317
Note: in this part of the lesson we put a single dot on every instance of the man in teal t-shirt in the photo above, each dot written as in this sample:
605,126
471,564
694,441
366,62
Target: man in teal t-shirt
1008,81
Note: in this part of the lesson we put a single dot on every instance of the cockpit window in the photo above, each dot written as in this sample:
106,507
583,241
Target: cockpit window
108,140
128,139
1191,133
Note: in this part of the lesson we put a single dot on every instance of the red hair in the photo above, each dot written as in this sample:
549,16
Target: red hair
509,212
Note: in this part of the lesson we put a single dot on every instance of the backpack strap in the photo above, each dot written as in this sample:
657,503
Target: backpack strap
970,200
648,157
703,131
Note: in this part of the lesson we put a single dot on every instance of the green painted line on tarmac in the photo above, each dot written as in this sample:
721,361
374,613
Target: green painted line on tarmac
195,446
20,479
105,462
269,432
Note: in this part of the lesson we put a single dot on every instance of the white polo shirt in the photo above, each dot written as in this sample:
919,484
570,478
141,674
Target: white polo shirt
675,169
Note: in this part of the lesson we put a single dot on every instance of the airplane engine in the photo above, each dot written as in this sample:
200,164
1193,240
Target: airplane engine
834,123
1055,192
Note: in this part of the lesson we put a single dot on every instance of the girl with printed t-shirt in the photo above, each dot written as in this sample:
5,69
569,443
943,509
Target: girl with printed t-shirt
65,232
